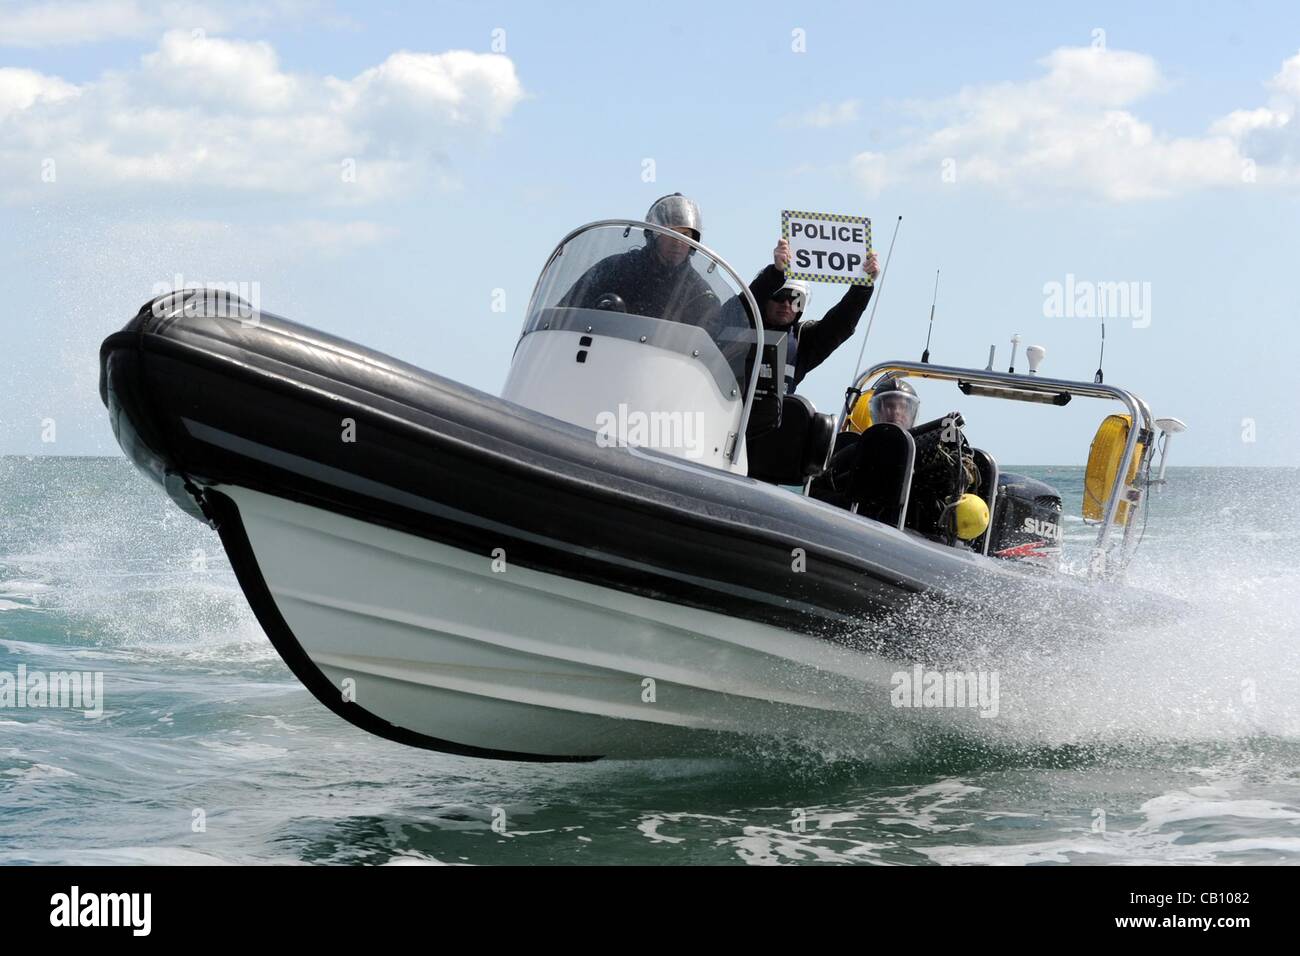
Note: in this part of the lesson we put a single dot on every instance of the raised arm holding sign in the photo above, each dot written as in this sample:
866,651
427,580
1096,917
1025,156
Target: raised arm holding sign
783,293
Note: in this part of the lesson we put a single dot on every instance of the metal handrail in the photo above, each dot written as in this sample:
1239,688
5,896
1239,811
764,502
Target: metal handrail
1126,543
755,315
993,503
1138,410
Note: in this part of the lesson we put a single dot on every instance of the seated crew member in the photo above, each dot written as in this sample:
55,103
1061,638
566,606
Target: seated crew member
944,468
783,302
657,279
894,400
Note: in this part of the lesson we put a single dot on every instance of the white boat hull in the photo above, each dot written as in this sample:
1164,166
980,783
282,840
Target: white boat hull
433,640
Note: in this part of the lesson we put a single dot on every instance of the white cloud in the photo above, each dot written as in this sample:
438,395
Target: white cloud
1239,123
1096,76
458,88
22,89
220,74
271,242
205,112
1270,134
1075,130
1287,80
72,22
825,115
45,24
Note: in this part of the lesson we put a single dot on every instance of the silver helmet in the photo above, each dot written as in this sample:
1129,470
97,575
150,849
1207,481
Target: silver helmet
893,399
676,211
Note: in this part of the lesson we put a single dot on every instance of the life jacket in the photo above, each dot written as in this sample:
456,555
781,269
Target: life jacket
791,357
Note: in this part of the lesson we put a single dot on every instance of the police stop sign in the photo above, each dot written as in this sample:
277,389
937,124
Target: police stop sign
826,247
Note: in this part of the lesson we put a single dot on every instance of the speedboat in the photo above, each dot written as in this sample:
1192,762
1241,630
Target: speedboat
642,547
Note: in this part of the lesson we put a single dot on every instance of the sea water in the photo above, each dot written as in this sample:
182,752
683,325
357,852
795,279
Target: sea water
1174,740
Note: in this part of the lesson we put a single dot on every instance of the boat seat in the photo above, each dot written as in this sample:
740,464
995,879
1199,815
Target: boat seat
871,473
880,473
988,490
797,449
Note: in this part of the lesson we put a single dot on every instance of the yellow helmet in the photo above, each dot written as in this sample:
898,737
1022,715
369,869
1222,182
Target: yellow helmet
859,419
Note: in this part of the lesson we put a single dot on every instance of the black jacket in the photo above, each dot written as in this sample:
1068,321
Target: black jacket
647,287
813,340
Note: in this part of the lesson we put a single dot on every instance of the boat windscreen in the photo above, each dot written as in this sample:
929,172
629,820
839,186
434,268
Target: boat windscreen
630,268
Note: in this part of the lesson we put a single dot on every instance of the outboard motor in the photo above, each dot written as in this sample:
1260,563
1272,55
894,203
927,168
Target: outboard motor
1026,522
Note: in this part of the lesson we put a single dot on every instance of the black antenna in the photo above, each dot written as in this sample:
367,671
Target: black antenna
1102,356
925,356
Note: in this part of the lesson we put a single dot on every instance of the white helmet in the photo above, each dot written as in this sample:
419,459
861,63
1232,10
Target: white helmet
799,292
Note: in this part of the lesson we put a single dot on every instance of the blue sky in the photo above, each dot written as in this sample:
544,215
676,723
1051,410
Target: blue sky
1115,144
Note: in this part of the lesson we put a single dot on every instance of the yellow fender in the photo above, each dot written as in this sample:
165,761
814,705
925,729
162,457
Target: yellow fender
1104,456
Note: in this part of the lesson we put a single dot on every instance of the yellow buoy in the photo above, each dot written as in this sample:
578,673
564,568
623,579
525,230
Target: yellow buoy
972,516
